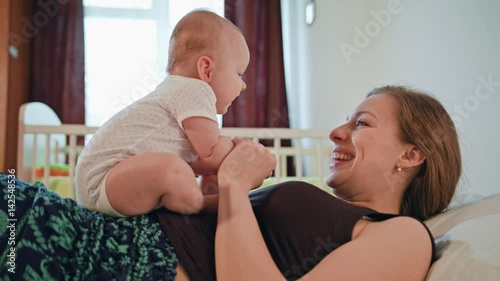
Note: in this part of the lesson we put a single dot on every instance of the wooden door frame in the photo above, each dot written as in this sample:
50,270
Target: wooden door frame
4,77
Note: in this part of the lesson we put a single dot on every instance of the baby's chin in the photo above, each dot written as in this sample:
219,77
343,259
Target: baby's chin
222,110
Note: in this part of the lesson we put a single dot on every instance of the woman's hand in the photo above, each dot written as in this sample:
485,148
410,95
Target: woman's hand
246,166
240,250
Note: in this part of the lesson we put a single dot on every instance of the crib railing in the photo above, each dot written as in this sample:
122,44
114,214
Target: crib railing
310,149
72,132
304,143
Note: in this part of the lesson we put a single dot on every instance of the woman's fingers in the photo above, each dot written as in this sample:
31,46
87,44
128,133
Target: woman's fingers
248,164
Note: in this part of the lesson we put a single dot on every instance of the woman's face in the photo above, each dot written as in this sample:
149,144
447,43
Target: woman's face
367,150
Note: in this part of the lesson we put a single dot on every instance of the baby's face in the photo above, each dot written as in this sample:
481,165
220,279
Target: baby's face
227,80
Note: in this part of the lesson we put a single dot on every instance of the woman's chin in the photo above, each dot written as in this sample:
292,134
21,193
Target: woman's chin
335,181
332,181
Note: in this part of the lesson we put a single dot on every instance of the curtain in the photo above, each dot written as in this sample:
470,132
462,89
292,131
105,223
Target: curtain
263,103
58,65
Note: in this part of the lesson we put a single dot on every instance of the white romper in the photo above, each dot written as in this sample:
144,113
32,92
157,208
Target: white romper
151,124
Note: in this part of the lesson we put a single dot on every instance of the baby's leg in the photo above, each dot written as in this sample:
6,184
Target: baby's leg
140,183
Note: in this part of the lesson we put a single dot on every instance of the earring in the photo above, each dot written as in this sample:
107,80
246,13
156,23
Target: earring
399,167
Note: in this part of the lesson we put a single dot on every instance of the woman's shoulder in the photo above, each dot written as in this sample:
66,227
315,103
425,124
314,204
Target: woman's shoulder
403,225
380,245
405,234
397,224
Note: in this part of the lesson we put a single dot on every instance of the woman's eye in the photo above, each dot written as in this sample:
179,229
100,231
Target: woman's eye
361,122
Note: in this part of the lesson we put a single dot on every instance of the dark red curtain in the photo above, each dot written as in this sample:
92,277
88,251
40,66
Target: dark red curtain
263,103
58,64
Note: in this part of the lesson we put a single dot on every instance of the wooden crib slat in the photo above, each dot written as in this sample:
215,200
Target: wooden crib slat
33,157
72,164
283,164
20,148
56,152
46,163
319,150
277,149
298,159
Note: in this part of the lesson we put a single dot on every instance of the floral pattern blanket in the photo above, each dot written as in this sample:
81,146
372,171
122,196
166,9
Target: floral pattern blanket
46,237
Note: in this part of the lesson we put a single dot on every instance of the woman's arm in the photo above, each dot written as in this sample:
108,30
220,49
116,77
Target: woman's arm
240,250
181,273
395,249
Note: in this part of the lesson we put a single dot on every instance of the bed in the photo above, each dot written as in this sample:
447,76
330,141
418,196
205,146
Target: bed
467,235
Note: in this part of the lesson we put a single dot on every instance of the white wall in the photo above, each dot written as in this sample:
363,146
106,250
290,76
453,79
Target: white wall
444,47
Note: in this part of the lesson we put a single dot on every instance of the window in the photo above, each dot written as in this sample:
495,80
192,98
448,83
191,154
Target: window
126,50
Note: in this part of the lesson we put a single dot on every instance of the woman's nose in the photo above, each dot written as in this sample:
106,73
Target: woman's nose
338,134
244,86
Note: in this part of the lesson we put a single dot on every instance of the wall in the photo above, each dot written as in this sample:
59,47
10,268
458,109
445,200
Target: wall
449,48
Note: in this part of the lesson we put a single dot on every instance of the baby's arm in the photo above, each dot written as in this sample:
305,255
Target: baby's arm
212,148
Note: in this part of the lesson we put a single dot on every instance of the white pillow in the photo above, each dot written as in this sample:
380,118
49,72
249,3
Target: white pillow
467,242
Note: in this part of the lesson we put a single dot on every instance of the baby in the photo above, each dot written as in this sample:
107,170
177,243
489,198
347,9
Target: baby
148,154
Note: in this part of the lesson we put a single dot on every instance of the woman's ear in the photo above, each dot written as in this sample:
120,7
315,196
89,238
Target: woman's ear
204,66
412,157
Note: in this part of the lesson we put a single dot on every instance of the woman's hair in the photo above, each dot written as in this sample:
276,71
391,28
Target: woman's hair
424,122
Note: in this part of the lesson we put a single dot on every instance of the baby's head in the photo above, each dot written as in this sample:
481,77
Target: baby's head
208,47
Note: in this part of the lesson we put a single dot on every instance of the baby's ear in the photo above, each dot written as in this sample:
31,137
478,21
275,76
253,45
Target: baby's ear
204,67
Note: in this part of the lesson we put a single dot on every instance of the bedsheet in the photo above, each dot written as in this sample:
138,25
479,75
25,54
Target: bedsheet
46,237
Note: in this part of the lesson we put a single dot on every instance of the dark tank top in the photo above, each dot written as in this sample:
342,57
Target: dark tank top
300,223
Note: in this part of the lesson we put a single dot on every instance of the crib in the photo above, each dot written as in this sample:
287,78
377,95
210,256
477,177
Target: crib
48,150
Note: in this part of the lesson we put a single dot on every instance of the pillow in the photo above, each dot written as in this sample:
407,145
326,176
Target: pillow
467,242
54,170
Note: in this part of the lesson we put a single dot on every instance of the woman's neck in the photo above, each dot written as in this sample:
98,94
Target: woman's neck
388,203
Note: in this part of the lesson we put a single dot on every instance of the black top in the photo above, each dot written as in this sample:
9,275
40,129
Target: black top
300,223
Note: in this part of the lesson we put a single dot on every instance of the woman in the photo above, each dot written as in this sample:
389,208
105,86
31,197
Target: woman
398,153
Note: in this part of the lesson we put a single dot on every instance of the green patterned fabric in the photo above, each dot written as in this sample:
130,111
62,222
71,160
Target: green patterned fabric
46,237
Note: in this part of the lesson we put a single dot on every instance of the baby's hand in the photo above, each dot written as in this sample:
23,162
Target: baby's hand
209,185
